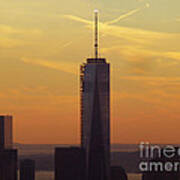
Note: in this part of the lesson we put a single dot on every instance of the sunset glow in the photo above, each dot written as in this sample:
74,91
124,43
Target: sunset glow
43,43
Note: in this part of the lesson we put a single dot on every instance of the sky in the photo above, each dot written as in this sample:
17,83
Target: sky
43,43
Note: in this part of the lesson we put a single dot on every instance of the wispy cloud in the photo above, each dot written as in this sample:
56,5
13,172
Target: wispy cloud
151,78
124,16
61,66
67,44
136,35
78,19
6,29
177,19
130,13
140,43
9,38
10,42
133,53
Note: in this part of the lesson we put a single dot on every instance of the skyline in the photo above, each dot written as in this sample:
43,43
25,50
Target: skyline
39,77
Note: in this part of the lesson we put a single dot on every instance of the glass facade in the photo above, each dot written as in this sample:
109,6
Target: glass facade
95,118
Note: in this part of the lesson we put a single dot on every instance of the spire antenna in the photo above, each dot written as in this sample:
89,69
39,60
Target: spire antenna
96,12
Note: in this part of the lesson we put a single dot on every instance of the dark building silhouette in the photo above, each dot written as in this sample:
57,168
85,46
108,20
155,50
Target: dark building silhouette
8,164
159,172
27,169
6,137
69,163
95,115
118,173
8,156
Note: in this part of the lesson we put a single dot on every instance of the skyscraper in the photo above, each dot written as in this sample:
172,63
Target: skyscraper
69,163
8,156
8,164
118,173
95,114
6,137
27,169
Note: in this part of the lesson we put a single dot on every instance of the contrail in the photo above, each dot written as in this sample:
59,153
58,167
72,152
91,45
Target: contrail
78,19
123,16
130,13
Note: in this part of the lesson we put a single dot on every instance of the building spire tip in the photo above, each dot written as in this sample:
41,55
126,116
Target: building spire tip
96,11
96,33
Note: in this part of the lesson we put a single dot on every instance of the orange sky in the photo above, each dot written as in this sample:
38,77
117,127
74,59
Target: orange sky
43,43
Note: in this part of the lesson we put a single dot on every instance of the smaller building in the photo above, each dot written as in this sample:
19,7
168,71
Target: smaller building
118,173
6,132
69,163
8,164
27,169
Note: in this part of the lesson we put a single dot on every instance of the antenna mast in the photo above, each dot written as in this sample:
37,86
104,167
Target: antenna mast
96,34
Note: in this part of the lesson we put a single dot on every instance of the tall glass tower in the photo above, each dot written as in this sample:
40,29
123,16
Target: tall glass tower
95,114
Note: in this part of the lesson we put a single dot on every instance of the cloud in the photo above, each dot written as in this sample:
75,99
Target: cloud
29,96
177,19
6,29
137,53
67,44
142,48
61,66
135,35
158,88
145,61
130,13
78,19
10,43
9,39
173,55
151,78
